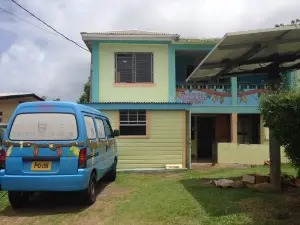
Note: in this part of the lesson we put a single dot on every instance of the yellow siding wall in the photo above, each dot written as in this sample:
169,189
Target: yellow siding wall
245,154
164,146
108,92
7,107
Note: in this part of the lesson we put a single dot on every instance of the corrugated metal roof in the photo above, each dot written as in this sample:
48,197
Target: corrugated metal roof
199,40
13,94
19,95
131,32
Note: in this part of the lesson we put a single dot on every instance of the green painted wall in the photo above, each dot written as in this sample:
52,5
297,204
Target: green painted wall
108,92
245,154
164,146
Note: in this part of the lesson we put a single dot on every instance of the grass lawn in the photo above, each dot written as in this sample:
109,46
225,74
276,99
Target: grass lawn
164,198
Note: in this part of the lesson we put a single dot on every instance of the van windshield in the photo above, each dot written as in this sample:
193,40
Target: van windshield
44,127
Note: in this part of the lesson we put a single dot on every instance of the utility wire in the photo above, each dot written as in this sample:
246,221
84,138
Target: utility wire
4,10
49,25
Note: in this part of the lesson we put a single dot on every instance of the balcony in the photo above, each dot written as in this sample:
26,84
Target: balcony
245,94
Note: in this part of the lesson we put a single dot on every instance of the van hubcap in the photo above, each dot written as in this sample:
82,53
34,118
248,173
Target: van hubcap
92,189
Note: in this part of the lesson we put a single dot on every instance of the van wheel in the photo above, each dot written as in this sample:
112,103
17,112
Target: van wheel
18,199
89,194
112,173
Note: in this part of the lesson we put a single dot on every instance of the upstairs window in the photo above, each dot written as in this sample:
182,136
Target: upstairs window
134,67
133,123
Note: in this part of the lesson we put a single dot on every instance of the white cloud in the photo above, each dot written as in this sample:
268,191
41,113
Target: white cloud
34,60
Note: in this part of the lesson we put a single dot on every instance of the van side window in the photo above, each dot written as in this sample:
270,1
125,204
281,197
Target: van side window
108,128
100,128
90,127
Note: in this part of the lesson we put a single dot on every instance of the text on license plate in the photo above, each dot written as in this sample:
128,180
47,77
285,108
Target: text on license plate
41,165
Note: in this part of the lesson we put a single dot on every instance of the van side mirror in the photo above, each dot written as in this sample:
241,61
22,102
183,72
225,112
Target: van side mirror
116,133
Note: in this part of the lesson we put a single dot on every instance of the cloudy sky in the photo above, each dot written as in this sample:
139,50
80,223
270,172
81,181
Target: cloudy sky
35,60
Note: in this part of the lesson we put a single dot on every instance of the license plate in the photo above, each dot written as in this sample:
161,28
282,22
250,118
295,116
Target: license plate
41,165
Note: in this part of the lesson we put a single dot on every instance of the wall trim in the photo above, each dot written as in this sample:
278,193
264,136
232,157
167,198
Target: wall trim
226,109
146,106
184,125
157,42
134,84
95,71
171,72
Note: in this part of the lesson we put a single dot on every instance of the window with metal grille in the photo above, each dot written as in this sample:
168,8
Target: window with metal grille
133,123
134,67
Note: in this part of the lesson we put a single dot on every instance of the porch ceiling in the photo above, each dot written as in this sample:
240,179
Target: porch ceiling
251,52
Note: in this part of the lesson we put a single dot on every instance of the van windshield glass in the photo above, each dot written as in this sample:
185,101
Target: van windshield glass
44,127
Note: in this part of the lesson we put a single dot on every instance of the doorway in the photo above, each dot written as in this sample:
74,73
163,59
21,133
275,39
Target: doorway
249,129
188,70
205,137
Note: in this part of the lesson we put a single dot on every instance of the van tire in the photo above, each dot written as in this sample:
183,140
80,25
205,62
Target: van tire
89,194
18,199
112,173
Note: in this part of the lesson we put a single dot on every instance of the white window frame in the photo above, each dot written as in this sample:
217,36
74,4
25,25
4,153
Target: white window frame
133,123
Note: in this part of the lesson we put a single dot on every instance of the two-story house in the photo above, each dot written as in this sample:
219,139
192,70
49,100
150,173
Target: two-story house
138,80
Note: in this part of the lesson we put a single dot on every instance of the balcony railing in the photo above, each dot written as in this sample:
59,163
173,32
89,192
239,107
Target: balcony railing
249,94
219,94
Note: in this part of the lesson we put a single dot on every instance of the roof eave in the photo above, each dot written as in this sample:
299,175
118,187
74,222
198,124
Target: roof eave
21,96
87,38
101,37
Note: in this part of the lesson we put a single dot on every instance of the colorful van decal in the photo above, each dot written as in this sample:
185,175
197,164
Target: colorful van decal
74,150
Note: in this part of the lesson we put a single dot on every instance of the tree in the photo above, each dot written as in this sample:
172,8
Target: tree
293,23
281,112
45,98
85,97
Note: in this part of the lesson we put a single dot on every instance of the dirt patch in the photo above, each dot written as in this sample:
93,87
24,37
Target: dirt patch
284,208
172,175
113,190
209,166
64,208
257,208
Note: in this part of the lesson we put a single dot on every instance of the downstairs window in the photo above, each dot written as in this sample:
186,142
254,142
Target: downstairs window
133,123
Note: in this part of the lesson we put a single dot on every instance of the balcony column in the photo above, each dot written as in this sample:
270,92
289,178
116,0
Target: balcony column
233,81
172,73
234,121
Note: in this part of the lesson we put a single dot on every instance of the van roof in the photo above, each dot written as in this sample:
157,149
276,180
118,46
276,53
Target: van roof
61,104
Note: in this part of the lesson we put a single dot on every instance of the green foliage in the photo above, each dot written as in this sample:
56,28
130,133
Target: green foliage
85,97
281,111
45,98
293,23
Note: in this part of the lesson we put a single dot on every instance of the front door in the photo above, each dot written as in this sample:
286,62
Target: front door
205,136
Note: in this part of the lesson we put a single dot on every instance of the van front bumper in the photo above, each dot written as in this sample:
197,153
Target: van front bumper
46,183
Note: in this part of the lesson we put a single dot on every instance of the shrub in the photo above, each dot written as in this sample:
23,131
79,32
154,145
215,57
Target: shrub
281,112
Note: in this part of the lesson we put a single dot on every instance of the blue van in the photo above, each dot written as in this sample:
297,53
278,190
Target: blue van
56,146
